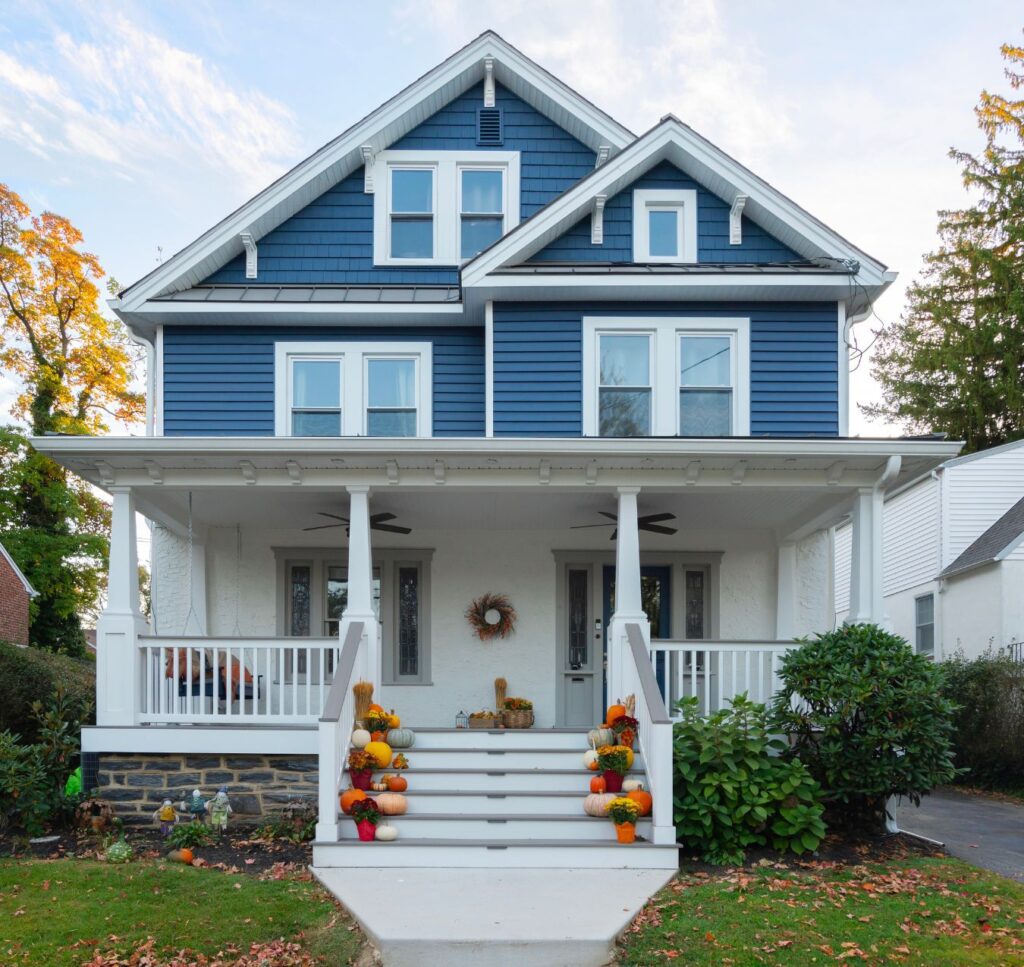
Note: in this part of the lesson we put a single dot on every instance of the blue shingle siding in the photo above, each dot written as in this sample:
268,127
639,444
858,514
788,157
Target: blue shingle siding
220,381
794,376
331,240
712,229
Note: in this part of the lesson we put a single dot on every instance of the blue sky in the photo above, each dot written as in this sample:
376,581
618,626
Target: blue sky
146,123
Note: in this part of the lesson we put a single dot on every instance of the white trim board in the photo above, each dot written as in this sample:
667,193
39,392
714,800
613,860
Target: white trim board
241,740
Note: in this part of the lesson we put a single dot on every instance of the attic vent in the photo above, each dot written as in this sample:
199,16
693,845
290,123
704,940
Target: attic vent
489,127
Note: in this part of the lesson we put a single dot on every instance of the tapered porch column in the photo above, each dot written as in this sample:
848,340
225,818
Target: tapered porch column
867,599
360,586
628,603
121,622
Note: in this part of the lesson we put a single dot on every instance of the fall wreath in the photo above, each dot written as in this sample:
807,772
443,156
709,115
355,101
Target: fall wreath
491,616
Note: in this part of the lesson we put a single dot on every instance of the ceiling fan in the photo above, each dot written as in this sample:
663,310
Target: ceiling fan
648,522
377,523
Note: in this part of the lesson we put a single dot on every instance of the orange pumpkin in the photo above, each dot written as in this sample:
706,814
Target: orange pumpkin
375,708
643,799
186,856
349,798
597,784
397,784
614,712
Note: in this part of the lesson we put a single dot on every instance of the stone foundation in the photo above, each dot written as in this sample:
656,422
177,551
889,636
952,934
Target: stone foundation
257,784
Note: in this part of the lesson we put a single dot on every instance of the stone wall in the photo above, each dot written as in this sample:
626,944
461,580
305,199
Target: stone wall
257,784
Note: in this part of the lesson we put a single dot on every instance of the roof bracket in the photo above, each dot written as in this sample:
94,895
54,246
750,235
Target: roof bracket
248,469
250,254
736,219
835,472
693,469
439,472
155,471
488,82
603,153
368,154
294,471
739,472
597,220
591,473
392,471
544,474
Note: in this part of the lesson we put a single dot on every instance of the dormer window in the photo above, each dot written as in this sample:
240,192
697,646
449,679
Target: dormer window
442,207
664,225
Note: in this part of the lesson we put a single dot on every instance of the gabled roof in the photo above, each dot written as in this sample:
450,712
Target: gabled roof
994,544
386,125
672,140
32,592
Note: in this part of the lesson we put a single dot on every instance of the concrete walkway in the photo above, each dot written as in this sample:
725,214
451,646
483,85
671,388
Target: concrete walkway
493,918
978,829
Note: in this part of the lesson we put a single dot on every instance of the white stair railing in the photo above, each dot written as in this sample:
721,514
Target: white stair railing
654,729
335,732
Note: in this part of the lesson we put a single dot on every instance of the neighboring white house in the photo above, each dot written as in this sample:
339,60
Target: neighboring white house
953,552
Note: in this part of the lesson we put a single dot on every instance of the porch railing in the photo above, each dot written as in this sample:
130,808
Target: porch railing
716,671
225,681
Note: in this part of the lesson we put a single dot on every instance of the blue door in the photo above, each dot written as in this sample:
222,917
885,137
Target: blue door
656,596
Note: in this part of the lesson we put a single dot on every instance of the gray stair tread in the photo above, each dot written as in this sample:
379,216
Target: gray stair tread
568,731
500,817
491,794
495,843
484,770
491,750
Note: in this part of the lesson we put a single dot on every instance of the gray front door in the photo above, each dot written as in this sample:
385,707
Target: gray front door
581,673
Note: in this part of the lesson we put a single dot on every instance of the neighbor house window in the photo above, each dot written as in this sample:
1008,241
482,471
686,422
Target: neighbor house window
441,207
924,622
353,389
664,225
666,376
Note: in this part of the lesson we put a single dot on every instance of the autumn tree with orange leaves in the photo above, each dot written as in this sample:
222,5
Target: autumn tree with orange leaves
75,367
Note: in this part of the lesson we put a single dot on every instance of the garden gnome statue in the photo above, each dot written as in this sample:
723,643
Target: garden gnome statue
166,816
220,808
195,805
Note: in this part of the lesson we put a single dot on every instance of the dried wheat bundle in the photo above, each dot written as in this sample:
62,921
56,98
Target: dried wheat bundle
630,704
500,690
363,691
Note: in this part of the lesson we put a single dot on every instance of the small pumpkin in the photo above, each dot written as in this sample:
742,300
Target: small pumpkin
590,759
386,833
597,803
630,784
379,786
361,738
629,758
392,803
381,752
349,798
397,783
393,720
643,799
615,712
400,738
600,736
598,784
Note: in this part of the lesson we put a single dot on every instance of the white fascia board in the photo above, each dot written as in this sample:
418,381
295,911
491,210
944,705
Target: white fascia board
673,141
238,740
340,157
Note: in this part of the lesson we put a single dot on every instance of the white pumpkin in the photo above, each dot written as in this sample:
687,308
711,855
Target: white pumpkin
597,803
386,833
631,785
360,738
589,758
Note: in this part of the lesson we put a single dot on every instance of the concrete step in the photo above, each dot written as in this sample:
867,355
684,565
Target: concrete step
476,757
503,779
498,827
433,738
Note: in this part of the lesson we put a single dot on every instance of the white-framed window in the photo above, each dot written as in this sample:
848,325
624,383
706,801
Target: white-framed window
666,376
924,624
442,207
353,389
664,225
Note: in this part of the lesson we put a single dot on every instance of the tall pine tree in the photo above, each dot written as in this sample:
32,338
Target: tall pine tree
955,361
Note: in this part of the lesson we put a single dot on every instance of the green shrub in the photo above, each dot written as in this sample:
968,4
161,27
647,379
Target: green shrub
868,718
190,835
29,675
988,734
733,791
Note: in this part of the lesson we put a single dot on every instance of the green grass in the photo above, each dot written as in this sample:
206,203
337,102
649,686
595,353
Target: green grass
926,911
61,912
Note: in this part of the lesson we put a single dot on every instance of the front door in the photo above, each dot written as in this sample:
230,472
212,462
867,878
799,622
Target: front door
656,597
580,651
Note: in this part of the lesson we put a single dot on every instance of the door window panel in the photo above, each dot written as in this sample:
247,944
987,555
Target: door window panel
408,621
579,632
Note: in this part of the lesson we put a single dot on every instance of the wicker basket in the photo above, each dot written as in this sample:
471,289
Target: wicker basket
519,719
485,723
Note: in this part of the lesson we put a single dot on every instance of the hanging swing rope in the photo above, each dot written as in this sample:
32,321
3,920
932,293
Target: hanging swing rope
191,614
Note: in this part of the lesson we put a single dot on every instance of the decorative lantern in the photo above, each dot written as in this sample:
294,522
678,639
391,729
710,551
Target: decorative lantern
462,720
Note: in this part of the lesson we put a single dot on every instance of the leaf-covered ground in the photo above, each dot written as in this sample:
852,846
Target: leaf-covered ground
922,911
59,913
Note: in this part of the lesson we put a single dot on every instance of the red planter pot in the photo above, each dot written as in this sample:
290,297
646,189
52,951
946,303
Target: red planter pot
612,781
361,778
367,830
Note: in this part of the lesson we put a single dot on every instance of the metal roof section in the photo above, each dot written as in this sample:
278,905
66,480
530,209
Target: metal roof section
994,544
680,268
297,294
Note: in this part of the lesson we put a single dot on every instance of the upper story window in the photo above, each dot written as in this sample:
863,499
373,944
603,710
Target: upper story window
666,377
442,207
664,225
353,389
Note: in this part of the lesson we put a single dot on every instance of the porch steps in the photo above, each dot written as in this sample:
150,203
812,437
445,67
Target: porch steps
498,799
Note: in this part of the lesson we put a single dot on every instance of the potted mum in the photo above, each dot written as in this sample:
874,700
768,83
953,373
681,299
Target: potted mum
366,813
624,728
378,724
623,813
613,762
360,768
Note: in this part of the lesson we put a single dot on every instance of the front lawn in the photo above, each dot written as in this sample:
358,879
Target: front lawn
920,911
64,912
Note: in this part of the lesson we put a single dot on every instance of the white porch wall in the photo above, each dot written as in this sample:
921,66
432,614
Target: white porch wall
813,584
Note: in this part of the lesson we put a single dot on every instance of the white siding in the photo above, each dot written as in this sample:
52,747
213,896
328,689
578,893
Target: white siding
841,568
910,542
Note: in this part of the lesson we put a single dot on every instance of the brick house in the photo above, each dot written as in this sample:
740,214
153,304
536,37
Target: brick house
15,594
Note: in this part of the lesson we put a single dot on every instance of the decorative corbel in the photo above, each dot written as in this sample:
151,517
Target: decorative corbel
294,471
248,471
391,467
440,472
603,152
368,155
250,254
155,471
597,220
736,220
739,472
488,82
544,472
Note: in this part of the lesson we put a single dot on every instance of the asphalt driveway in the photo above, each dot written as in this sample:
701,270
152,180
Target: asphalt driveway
981,830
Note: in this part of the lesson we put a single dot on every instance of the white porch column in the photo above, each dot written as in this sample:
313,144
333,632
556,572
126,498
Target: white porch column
628,603
785,608
867,599
120,624
360,586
